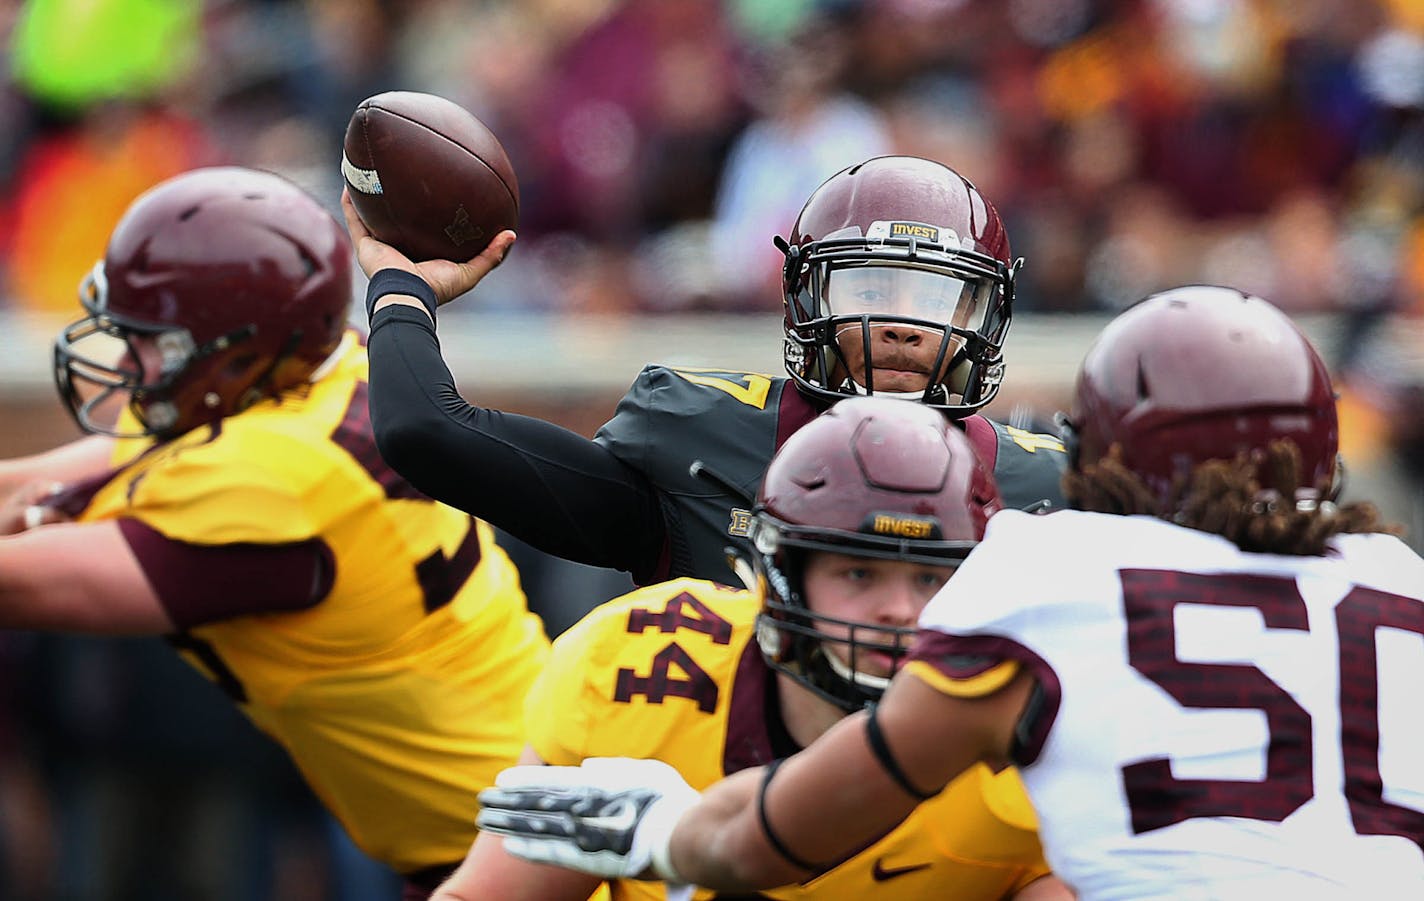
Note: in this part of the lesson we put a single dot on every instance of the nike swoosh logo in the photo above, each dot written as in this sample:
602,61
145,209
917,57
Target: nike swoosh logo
621,817
881,873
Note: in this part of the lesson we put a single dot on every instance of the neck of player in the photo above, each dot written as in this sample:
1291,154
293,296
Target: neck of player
805,715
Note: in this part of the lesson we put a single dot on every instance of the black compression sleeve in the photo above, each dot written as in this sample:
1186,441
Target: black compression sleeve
547,486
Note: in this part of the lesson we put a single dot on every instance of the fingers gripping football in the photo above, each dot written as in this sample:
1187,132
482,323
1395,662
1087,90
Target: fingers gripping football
610,817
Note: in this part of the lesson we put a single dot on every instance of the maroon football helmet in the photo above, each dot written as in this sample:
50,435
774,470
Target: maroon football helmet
898,243
871,477
219,287
1200,373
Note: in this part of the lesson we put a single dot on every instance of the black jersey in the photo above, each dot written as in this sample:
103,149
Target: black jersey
734,422
624,500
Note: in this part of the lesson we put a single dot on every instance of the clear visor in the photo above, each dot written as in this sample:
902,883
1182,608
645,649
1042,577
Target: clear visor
933,296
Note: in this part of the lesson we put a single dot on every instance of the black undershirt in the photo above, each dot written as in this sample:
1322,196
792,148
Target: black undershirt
549,487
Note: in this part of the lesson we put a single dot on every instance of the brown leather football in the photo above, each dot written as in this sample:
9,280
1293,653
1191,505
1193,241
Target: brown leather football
427,177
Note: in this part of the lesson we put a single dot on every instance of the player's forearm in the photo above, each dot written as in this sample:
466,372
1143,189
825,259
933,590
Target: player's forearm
823,804
488,872
77,578
719,844
550,487
70,462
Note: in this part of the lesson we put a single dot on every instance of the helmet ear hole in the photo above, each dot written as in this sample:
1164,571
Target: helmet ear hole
238,366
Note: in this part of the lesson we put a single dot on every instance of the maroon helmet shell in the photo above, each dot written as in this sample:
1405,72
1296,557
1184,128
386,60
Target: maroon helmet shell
871,477
1201,373
906,212
868,469
246,278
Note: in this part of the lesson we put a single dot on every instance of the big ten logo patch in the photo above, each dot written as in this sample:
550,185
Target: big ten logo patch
741,523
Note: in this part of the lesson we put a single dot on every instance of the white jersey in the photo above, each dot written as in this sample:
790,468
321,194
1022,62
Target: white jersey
1214,724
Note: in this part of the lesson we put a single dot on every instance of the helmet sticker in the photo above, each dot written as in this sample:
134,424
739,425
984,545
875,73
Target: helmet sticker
948,238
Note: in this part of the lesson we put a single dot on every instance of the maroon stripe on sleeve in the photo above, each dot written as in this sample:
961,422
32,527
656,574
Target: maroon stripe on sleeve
985,440
200,584
966,656
441,577
354,436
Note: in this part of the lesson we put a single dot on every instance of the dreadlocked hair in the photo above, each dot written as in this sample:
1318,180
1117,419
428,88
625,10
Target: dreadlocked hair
1250,500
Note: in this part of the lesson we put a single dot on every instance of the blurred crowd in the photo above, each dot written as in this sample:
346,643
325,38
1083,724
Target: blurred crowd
1130,145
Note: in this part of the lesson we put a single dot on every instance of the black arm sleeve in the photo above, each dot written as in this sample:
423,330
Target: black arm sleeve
547,486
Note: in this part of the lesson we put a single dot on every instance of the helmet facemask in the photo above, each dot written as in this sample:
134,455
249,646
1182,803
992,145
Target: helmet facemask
825,654
218,288
106,364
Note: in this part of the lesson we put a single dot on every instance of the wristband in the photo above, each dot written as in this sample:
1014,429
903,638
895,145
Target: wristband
398,281
662,860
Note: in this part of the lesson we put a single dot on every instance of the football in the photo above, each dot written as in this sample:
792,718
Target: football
427,177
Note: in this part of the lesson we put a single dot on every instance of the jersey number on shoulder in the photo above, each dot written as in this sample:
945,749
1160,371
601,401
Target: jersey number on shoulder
1159,799
750,390
1033,441
682,612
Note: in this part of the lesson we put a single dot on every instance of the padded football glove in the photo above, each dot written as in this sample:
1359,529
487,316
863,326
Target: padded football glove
611,816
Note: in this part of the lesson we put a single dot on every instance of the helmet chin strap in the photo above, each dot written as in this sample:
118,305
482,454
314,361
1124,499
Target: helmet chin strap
851,386
956,380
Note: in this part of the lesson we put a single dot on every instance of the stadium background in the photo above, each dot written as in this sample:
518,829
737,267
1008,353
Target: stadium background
1130,145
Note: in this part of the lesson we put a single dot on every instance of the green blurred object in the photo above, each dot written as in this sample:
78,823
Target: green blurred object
72,53
770,21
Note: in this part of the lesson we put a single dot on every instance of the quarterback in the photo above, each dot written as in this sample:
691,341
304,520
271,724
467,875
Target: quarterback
864,514
231,498
899,282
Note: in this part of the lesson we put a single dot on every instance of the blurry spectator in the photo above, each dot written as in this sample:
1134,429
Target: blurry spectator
628,122
91,69
27,852
807,129
71,54
639,107
73,184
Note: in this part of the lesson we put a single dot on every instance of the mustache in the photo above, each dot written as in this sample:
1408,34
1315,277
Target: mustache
895,361
892,355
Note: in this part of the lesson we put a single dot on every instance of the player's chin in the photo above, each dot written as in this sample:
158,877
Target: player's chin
899,380
877,664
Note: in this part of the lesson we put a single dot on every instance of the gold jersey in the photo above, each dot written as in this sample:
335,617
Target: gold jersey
398,695
672,672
